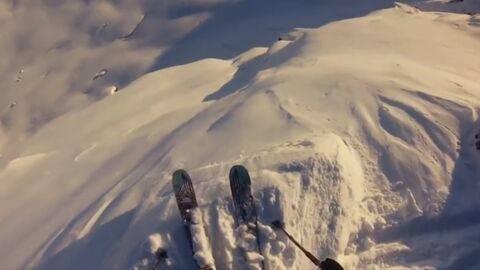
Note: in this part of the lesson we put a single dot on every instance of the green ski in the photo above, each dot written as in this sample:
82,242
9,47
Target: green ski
245,211
187,205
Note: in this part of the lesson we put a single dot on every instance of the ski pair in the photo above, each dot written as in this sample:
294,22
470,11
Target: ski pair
245,211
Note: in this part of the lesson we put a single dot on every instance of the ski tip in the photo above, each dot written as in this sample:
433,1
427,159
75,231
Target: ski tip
179,177
239,171
179,172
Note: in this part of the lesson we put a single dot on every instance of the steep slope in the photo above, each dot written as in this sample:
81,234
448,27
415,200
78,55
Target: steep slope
358,134
60,55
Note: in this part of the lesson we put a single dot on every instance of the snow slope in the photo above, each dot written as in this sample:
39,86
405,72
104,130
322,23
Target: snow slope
357,129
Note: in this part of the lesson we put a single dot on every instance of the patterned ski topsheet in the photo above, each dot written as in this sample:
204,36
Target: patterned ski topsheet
240,186
187,205
184,193
245,211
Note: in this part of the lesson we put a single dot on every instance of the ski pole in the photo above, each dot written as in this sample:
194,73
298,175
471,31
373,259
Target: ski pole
278,224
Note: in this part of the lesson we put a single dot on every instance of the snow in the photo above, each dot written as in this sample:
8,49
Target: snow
356,120
200,241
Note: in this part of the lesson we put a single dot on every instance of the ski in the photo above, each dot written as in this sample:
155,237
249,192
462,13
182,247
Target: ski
187,205
245,211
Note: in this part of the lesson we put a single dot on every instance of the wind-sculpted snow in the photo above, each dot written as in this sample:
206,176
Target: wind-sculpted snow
359,134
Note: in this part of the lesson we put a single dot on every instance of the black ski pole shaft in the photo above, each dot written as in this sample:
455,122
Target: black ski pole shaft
306,252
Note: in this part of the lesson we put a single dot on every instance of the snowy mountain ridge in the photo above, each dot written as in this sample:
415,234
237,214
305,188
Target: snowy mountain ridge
356,120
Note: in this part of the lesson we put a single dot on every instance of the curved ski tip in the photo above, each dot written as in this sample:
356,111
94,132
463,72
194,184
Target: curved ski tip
238,168
179,172
180,175
239,172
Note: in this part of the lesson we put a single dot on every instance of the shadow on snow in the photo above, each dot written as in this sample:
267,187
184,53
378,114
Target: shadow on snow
234,28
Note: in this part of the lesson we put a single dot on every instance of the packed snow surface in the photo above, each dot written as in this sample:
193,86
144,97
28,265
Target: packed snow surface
357,120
